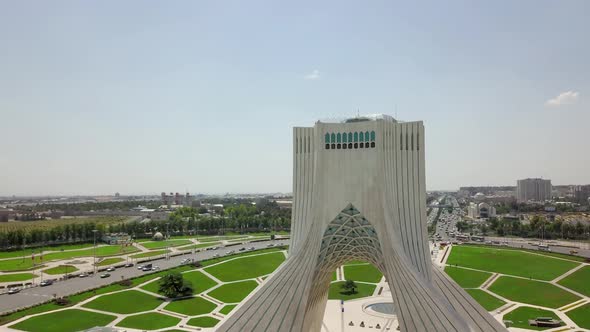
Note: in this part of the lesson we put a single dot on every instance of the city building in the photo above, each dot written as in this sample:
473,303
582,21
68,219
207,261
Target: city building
481,210
536,190
116,238
359,194
177,199
582,194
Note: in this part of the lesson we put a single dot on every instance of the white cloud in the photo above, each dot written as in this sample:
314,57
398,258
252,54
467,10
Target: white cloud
314,75
564,98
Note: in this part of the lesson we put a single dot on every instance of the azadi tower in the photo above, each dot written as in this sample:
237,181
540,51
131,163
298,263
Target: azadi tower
359,194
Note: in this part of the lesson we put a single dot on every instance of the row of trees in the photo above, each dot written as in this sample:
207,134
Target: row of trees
538,227
266,216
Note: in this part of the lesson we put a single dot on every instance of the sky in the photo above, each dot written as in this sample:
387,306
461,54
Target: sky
136,97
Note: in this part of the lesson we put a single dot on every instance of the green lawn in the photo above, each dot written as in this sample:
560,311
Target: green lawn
486,300
578,281
164,244
16,277
533,251
246,268
19,264
234,292
467,278
511,262
227,309
64,321
109,261
200,282
191,307
150,253
204,321
366,272
363,290
532,292
61,269
581,316
36,251
126,302
149,321
520,317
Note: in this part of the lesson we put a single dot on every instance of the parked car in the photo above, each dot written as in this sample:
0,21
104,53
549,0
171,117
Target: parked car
105,275
231,252
13,290
145,269
140,267
46,282
242,249
251,248
111,269
216,255
83,275
129,265
155,268
271,245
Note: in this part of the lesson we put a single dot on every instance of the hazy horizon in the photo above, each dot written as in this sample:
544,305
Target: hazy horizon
105,97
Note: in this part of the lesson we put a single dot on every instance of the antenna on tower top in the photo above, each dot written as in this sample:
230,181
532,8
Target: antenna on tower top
358,113
396,112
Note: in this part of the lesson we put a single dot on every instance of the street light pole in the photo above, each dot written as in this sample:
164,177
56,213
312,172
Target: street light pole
167,242
94,265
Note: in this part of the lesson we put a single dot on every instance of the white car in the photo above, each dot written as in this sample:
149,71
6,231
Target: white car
83,275
13,290
216,255
140,267
155,267
111,269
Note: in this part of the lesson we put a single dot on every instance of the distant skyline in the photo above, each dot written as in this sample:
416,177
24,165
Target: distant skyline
105,97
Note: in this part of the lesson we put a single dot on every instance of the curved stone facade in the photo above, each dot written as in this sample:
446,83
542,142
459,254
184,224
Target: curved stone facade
363,199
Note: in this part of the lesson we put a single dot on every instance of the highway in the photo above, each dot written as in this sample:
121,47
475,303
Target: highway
36,295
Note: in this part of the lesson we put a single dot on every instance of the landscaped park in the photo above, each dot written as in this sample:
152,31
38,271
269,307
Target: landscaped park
514,285
521,285
217,287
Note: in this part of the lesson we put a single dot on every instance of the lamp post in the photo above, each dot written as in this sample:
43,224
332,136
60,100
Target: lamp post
94,265
167,243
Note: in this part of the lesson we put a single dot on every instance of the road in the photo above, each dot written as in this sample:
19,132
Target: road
36,295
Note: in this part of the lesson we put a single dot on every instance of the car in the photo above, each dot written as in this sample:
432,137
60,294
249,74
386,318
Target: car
155,268
242,249
129,265
251,248
140,267
47,282
210,248
271,245
83,275
13,290
111,269
184,261
145,269
216,255
231,252
214,248
105,275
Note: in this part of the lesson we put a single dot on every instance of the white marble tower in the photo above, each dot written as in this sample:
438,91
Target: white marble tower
359,193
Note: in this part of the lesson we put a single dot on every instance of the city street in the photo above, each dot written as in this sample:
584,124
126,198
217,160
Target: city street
36,295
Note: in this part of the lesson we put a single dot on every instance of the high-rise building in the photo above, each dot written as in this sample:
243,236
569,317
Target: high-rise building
582,194
537,190
359,194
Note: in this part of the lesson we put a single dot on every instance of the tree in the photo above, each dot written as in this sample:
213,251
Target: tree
173,285
349,287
